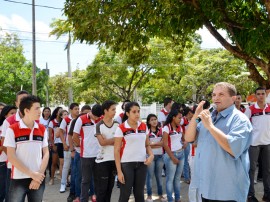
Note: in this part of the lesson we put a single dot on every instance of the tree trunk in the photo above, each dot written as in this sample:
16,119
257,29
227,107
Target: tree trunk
256,76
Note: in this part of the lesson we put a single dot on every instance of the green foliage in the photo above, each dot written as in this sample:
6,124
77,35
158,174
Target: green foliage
196,75
117,75
58,86
16,71
128,26
179,74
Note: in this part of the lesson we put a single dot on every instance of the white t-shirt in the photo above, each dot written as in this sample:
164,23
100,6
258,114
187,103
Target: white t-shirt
156,137
3,156
133,142
44,122
162,115
106,153
10,120
174,138
65,124
119,118
54,125
28,145
86,128
260,119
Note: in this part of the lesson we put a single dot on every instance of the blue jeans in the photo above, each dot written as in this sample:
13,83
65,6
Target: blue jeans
77,173
173,174
155,168
19,189
3,180
186,164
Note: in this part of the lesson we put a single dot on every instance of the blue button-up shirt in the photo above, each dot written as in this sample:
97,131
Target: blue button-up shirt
219,175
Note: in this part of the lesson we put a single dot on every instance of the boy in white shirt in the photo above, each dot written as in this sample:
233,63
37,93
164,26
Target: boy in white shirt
27,150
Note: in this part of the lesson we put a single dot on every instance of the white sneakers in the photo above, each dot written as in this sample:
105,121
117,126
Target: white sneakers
62,188
51,182
161,198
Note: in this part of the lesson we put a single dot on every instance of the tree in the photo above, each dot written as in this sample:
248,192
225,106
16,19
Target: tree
58,86
119,75
127,25
16,71
60,28
112,73
193,78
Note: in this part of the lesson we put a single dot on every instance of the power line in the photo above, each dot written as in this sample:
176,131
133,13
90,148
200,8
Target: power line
63,42
29,4
23,31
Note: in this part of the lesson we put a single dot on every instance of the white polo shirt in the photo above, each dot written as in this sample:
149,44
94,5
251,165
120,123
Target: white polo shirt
28,145
260,120
106,153
133,142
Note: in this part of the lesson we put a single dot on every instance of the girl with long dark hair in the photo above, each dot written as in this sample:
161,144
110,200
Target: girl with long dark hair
57,145
155,168
6,112
174,154
131,144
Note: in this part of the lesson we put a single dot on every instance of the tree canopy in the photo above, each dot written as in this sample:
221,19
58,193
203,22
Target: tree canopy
186,78
16,71
128,25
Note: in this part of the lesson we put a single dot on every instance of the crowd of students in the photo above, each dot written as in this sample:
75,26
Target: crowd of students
95,145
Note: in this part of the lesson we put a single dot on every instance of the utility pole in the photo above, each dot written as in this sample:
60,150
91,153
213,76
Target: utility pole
47,89
70,91
34,79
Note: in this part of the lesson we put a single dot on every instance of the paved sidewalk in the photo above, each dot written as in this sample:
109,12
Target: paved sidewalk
52,192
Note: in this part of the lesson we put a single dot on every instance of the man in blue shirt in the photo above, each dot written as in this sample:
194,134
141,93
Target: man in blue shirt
224,136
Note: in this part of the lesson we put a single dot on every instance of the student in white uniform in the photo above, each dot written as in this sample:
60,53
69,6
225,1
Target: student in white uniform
105,169
174,154
131,144
27,150
155,168
6,112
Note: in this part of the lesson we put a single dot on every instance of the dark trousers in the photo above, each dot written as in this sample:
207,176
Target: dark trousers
135,175
50,162
105,175
87,170
3,180
19,189
254,152
259,176
207,200
8,183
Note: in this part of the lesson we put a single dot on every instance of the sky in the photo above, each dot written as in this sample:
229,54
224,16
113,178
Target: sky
17,18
